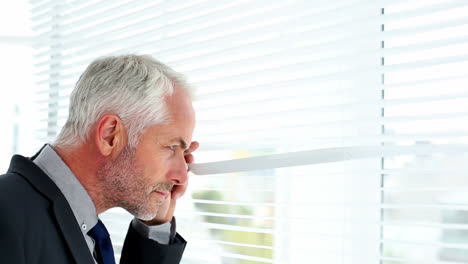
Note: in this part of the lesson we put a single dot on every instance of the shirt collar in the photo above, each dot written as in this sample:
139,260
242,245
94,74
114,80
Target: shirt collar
78,198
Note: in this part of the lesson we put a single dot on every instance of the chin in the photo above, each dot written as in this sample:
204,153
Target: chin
146,216
145,209
143,213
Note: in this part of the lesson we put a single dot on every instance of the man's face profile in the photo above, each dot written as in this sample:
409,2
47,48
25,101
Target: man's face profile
141,180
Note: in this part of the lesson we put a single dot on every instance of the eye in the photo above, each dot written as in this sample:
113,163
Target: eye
173,147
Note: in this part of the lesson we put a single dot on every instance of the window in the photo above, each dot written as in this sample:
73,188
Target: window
16,100
425,53
371,93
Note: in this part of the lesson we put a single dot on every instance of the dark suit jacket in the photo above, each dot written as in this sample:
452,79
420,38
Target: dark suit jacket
37,225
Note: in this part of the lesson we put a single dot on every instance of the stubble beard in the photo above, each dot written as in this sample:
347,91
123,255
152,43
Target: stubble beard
126,188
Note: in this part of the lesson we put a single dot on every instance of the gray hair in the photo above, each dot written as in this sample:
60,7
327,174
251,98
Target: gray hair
130,86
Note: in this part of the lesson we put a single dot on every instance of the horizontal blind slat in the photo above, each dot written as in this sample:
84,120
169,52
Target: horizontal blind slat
315,220
296,71
164,19
230,243
315,157
234,256
83,9
425,244
440,206
278,142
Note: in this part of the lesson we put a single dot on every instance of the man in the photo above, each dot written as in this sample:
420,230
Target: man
126,143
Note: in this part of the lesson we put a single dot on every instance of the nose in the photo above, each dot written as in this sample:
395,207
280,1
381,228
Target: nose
178,173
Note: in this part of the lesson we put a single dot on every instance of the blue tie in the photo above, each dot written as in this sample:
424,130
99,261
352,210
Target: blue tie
103,245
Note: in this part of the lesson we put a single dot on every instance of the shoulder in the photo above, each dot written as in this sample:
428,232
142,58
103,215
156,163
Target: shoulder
13,185
18,196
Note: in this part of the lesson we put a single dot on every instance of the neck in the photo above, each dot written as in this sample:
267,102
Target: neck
84,165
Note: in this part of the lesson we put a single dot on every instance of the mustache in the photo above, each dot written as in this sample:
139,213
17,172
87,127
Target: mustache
164,186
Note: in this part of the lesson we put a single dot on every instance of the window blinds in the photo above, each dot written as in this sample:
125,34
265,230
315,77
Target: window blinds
331,131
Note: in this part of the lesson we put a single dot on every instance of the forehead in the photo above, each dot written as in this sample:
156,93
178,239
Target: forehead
182,118
180,107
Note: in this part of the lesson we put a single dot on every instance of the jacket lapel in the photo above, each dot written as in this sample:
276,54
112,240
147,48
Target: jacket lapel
63,214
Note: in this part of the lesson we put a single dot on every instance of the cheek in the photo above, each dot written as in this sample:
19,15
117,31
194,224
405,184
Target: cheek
156,165
155,170
151,161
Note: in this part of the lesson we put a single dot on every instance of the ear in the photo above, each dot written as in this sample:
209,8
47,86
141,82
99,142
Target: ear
111,136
